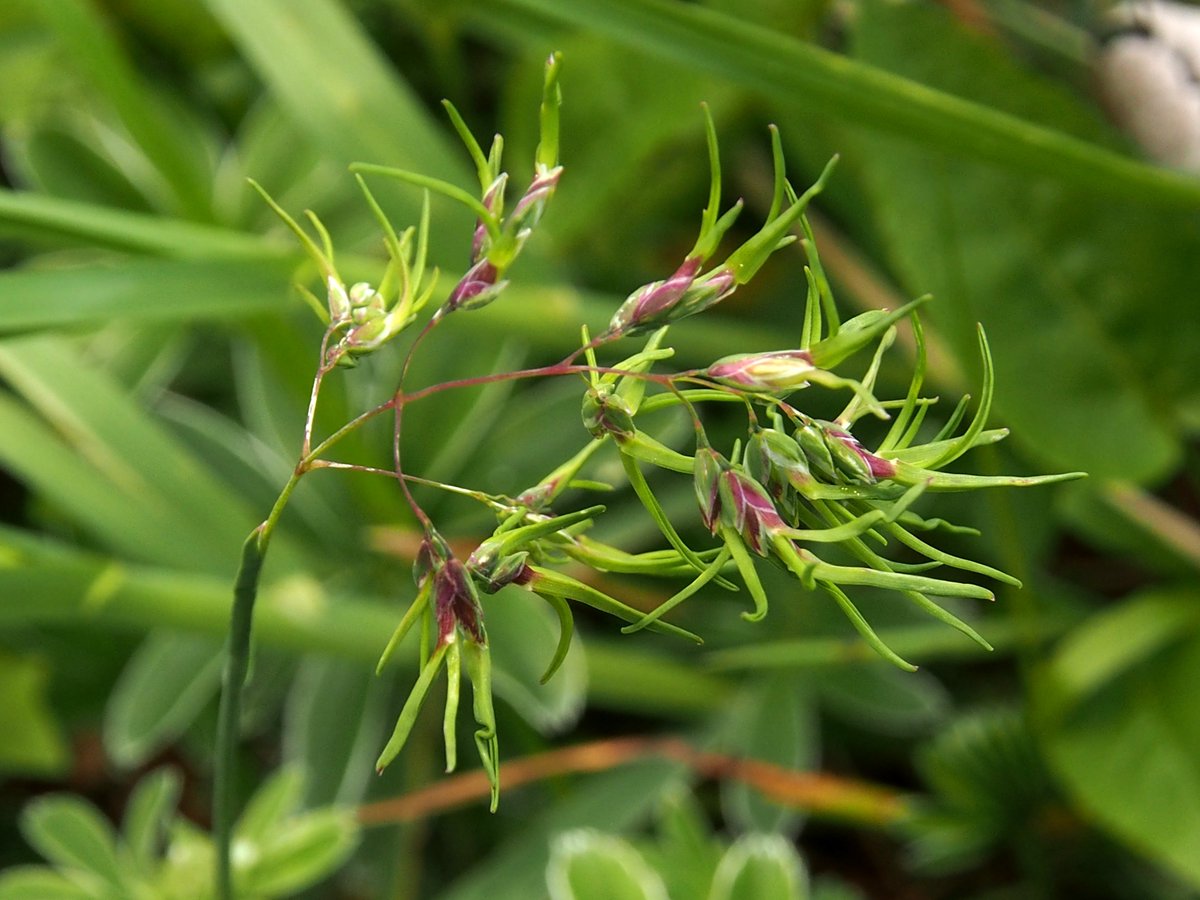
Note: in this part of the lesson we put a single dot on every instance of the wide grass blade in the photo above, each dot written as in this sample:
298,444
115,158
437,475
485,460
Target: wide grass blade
183,291
790,70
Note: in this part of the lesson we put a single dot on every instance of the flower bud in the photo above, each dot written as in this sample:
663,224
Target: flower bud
706,477
456,605
811,440
837,457
493,202
849,457
494,572
649,306
778,372
854,460
775,461
431,555
476,289
604,413
748,510
528,211
339,301
705,292
366,303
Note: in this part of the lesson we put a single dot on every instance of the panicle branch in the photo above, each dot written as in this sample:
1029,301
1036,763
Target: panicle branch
809,496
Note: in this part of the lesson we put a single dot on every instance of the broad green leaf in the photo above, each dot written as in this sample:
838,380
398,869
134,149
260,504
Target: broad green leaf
29,64
163,489
190,863
335,84
612,802
149,811
785,68
774,720
181,28
1106,647
140,290
41,883
523,634
92,49
885,700
256,473
588,865
41,460
273,803
760,867
686,852
72,223
70,832
33,743
642,679
51,583
55,160
334,723
298,853
273,150
167,683
1093,338
1121,728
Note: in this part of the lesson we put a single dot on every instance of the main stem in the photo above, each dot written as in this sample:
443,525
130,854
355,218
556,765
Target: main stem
237,658
237,663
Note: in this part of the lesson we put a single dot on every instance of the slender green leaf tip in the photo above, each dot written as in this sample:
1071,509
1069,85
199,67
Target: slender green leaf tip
546,156
324,263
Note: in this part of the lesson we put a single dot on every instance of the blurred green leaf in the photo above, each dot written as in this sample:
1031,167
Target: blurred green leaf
884,700
92,49
166,684
299,852
334,723
277,798
1087,370
40,883
33,743
148,813
686,852
36,456
139,290
990,791
774,720
181,512
1122,730
842,88
70,222
760,867
279,155
641,678
611,802
71,833
48,582
588,865
57,161
335,84
523,634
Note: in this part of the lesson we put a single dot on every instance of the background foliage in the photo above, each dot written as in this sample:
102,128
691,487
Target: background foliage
155,369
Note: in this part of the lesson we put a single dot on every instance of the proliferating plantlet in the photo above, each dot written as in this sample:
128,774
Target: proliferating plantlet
793,486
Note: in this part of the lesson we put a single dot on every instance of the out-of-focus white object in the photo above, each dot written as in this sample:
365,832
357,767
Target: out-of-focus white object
1148,72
